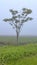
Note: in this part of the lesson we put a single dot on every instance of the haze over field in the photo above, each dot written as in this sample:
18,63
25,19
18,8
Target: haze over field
29,28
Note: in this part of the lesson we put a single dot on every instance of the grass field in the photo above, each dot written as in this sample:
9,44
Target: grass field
19,55
23,54
22,40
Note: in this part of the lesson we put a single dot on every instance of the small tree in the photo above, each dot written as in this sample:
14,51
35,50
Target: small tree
18,19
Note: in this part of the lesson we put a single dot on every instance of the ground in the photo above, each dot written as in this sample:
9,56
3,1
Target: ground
19,55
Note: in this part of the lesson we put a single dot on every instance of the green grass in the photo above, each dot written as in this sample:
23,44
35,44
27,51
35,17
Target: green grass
19,55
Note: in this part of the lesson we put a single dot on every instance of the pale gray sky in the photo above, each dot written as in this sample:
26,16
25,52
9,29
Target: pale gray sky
29,28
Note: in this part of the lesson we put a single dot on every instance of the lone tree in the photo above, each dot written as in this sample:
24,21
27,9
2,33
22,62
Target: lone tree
18,19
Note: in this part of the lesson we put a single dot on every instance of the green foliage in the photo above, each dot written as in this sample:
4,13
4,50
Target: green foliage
18,55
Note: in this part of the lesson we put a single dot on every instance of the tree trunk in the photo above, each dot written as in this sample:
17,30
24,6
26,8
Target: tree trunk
17,37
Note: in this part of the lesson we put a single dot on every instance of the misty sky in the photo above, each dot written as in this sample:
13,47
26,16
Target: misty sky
29,28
